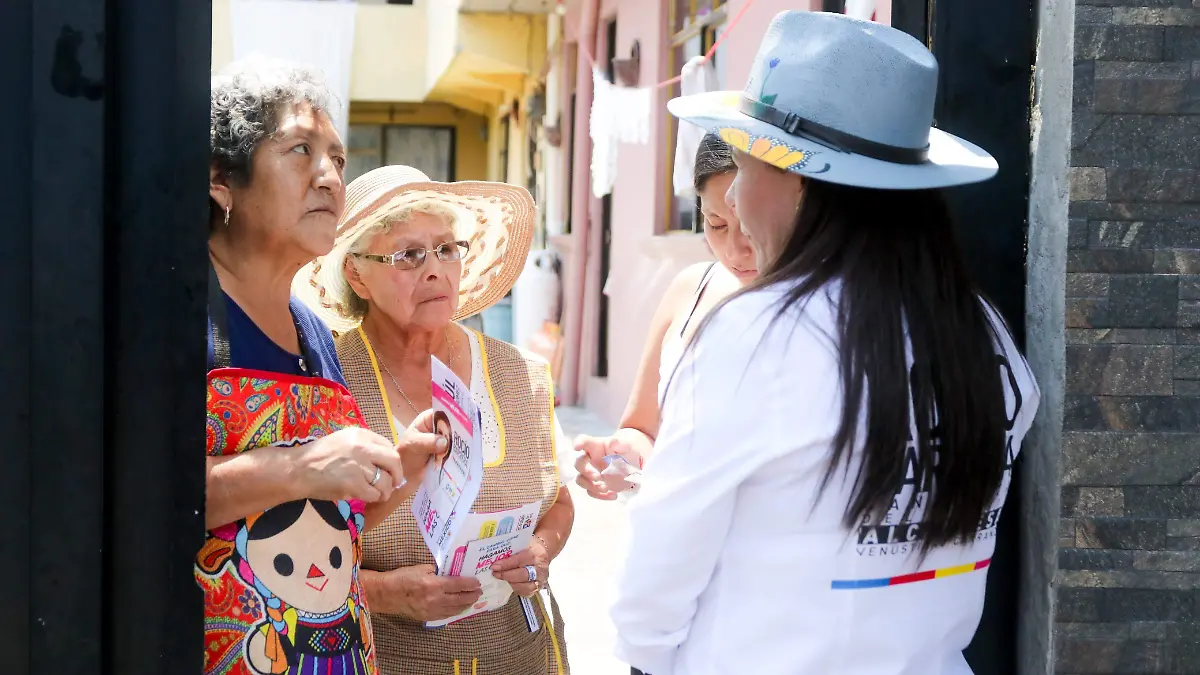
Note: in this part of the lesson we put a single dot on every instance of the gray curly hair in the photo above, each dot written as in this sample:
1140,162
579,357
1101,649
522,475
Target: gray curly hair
248,98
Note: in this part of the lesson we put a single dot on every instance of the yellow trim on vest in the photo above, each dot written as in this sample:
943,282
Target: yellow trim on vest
554,438
387,405
456,670
553,638
474,666
487,380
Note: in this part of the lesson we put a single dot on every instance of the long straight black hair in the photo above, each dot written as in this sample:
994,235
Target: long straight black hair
903,282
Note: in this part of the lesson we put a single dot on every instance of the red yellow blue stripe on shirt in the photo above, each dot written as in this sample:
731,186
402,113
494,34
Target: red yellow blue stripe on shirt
860,584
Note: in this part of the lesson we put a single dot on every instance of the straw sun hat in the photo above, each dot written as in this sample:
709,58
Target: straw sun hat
496,218
842,101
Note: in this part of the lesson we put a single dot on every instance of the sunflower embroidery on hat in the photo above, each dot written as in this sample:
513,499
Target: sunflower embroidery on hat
773,151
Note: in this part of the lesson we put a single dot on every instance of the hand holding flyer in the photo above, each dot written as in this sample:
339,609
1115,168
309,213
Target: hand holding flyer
465,543
450,484
484,539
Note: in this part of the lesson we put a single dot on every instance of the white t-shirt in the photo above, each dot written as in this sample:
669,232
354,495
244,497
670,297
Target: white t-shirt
736,565
563,447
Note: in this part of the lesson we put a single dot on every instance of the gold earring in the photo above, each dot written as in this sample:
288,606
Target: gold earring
226,216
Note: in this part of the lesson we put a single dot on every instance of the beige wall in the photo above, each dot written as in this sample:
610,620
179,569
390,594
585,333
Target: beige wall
471,146
496,62
389,54
222,35
390,50
513,40
441,29
441,67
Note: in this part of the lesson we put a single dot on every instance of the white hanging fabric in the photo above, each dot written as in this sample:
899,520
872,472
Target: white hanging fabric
632,108
619,115
697,77
317,34
602,129
861,9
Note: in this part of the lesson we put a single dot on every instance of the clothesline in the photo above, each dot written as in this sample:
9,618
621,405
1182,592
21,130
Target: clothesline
587,54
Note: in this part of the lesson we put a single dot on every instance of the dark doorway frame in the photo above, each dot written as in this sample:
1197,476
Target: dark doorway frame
986,54
104,264
505,142
570,184
606,207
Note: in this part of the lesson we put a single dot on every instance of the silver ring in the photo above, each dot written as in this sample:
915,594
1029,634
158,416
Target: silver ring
532,572
375,480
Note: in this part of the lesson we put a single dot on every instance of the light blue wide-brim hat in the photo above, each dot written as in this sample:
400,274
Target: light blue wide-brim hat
843,101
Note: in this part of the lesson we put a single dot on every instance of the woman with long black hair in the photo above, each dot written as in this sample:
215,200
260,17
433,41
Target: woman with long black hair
837,442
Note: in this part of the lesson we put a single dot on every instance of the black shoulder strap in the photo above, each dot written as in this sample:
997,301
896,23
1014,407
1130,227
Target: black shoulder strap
696,299
218,316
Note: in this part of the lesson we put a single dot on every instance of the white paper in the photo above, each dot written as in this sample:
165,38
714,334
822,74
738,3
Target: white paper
318,34
483,539
480,555
450,485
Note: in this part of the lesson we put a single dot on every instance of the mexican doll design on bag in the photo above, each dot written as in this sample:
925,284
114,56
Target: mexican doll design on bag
282,595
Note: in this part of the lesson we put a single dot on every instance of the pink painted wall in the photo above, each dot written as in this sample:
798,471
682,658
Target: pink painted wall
883,12
637,201
637,205
742,44
643,262
582,23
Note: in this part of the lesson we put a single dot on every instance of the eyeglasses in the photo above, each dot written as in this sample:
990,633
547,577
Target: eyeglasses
412,258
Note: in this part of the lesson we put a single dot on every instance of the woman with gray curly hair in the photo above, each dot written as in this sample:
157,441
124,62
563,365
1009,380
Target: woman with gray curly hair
294,477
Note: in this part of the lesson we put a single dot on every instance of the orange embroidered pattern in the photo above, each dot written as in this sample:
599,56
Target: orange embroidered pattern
281,587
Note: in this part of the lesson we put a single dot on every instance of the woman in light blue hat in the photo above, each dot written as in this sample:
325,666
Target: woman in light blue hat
837,442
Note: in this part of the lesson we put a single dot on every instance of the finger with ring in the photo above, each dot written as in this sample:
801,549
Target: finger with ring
375,480
532,572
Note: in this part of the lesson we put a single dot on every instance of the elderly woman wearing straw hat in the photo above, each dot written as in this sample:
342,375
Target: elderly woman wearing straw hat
412,257
837,442
294,478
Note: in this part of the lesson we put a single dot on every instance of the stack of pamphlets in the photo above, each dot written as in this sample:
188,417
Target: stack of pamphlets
465,543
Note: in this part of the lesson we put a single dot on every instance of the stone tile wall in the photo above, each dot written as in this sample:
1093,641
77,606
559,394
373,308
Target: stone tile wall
1129,559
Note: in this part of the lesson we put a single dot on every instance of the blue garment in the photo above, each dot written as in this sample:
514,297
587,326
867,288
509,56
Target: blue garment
249,347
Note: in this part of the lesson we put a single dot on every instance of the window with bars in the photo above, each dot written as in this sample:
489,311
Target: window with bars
428,148
695,26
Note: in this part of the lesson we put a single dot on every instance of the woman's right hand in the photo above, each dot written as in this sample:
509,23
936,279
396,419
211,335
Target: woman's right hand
419,594
420,444
590,463
342,465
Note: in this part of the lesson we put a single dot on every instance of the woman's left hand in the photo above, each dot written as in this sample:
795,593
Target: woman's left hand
514,569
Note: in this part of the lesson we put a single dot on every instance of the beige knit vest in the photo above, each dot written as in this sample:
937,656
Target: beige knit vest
496,642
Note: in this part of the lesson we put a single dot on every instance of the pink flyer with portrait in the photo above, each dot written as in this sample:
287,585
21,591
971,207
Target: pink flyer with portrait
451,482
